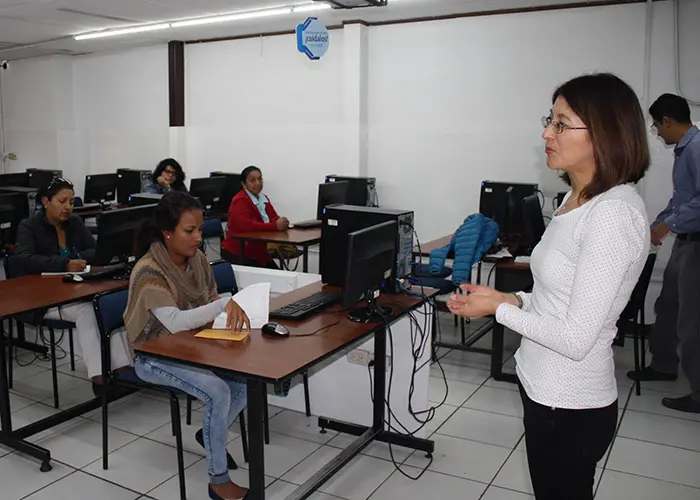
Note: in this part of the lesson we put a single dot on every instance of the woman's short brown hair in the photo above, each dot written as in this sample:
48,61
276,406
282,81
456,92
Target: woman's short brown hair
611,111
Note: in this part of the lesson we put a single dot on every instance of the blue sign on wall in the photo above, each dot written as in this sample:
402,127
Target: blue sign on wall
312,38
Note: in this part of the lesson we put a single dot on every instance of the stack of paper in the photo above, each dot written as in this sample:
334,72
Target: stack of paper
255,301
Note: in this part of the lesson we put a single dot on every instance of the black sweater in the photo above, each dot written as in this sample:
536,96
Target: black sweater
37,250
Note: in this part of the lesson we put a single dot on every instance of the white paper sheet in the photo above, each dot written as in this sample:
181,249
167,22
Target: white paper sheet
255,301
87,270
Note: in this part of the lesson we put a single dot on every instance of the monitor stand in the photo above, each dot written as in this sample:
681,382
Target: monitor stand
371,313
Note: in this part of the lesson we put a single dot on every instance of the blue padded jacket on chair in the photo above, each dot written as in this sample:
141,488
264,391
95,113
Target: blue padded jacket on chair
470,242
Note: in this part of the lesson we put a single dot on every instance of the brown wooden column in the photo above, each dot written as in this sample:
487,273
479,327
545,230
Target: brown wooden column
176,83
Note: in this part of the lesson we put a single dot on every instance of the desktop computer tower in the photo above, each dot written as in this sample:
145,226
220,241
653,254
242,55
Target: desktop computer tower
32,194
362,191
131,181
41,178
502,203
341,220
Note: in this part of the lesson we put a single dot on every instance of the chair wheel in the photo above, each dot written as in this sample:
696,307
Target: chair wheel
323,431
45,467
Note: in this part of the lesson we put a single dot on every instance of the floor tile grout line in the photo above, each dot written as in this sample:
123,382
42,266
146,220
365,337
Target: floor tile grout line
482,442
674,417
51,484
660,444
654,478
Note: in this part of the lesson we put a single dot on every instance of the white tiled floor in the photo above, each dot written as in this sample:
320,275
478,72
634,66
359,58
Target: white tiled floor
480,452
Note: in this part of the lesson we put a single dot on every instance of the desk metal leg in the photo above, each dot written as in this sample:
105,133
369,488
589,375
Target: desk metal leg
307,397
497,355
6,435
256,447
305,251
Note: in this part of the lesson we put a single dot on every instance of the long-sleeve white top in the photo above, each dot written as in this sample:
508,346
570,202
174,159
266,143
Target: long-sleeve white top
584,269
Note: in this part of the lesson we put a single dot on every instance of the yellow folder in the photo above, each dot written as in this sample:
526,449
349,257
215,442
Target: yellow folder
222,335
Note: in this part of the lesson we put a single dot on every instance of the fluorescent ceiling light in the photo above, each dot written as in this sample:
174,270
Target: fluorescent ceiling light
232,17
124,31
237,16
312,7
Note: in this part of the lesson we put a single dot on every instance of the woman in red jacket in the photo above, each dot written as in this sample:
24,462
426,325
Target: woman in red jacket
251,210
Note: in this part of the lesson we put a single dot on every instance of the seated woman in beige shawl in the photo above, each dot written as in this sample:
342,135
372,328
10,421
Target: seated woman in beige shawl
172,289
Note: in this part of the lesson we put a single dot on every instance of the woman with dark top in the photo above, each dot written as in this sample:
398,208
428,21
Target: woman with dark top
53,240
584,268
172,289
168,176
251,210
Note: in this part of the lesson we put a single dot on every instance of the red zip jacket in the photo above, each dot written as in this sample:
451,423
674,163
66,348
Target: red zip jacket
244,217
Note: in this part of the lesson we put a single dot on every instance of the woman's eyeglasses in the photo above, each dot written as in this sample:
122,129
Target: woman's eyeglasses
558,127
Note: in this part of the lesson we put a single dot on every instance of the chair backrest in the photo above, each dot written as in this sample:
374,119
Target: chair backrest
224,276
639,293
78,202
109,310
212,228
11,266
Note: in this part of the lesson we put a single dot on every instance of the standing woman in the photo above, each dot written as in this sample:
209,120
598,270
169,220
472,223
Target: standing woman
168,176
584,270
251,210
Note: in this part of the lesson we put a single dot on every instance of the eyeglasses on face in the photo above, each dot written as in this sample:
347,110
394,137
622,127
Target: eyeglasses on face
558,127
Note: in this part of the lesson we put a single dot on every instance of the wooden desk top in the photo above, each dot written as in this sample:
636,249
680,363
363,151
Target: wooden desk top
28,293
277,358
510,264
291,236
428,247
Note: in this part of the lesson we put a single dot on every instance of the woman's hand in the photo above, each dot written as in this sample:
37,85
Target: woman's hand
282,224
480,301
161,180
76,266
236,318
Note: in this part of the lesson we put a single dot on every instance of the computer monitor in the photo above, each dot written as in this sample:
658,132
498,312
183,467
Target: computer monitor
40,179
130,181
371,260
209,191
362,191
20,179
534,222
233,185
100,188
116,233
332,193
13,209
502,202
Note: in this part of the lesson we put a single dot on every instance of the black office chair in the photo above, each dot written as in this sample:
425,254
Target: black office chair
12,271
633,316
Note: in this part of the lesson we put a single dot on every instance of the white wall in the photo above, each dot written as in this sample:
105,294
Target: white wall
88,114
260,102
438,106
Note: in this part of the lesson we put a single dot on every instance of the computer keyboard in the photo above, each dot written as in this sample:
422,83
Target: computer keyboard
308,224
105,272
307,305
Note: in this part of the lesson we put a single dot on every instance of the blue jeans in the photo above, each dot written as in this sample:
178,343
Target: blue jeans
224,400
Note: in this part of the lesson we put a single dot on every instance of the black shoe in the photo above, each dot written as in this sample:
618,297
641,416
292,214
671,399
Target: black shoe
230,462
648,374
686,404
214,496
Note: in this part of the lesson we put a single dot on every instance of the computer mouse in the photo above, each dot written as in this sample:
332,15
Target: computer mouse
291,226
72,278
275,329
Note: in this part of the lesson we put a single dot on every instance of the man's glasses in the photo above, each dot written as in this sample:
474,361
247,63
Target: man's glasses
558,127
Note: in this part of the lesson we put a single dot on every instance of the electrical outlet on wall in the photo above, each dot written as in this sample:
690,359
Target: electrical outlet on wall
359,357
